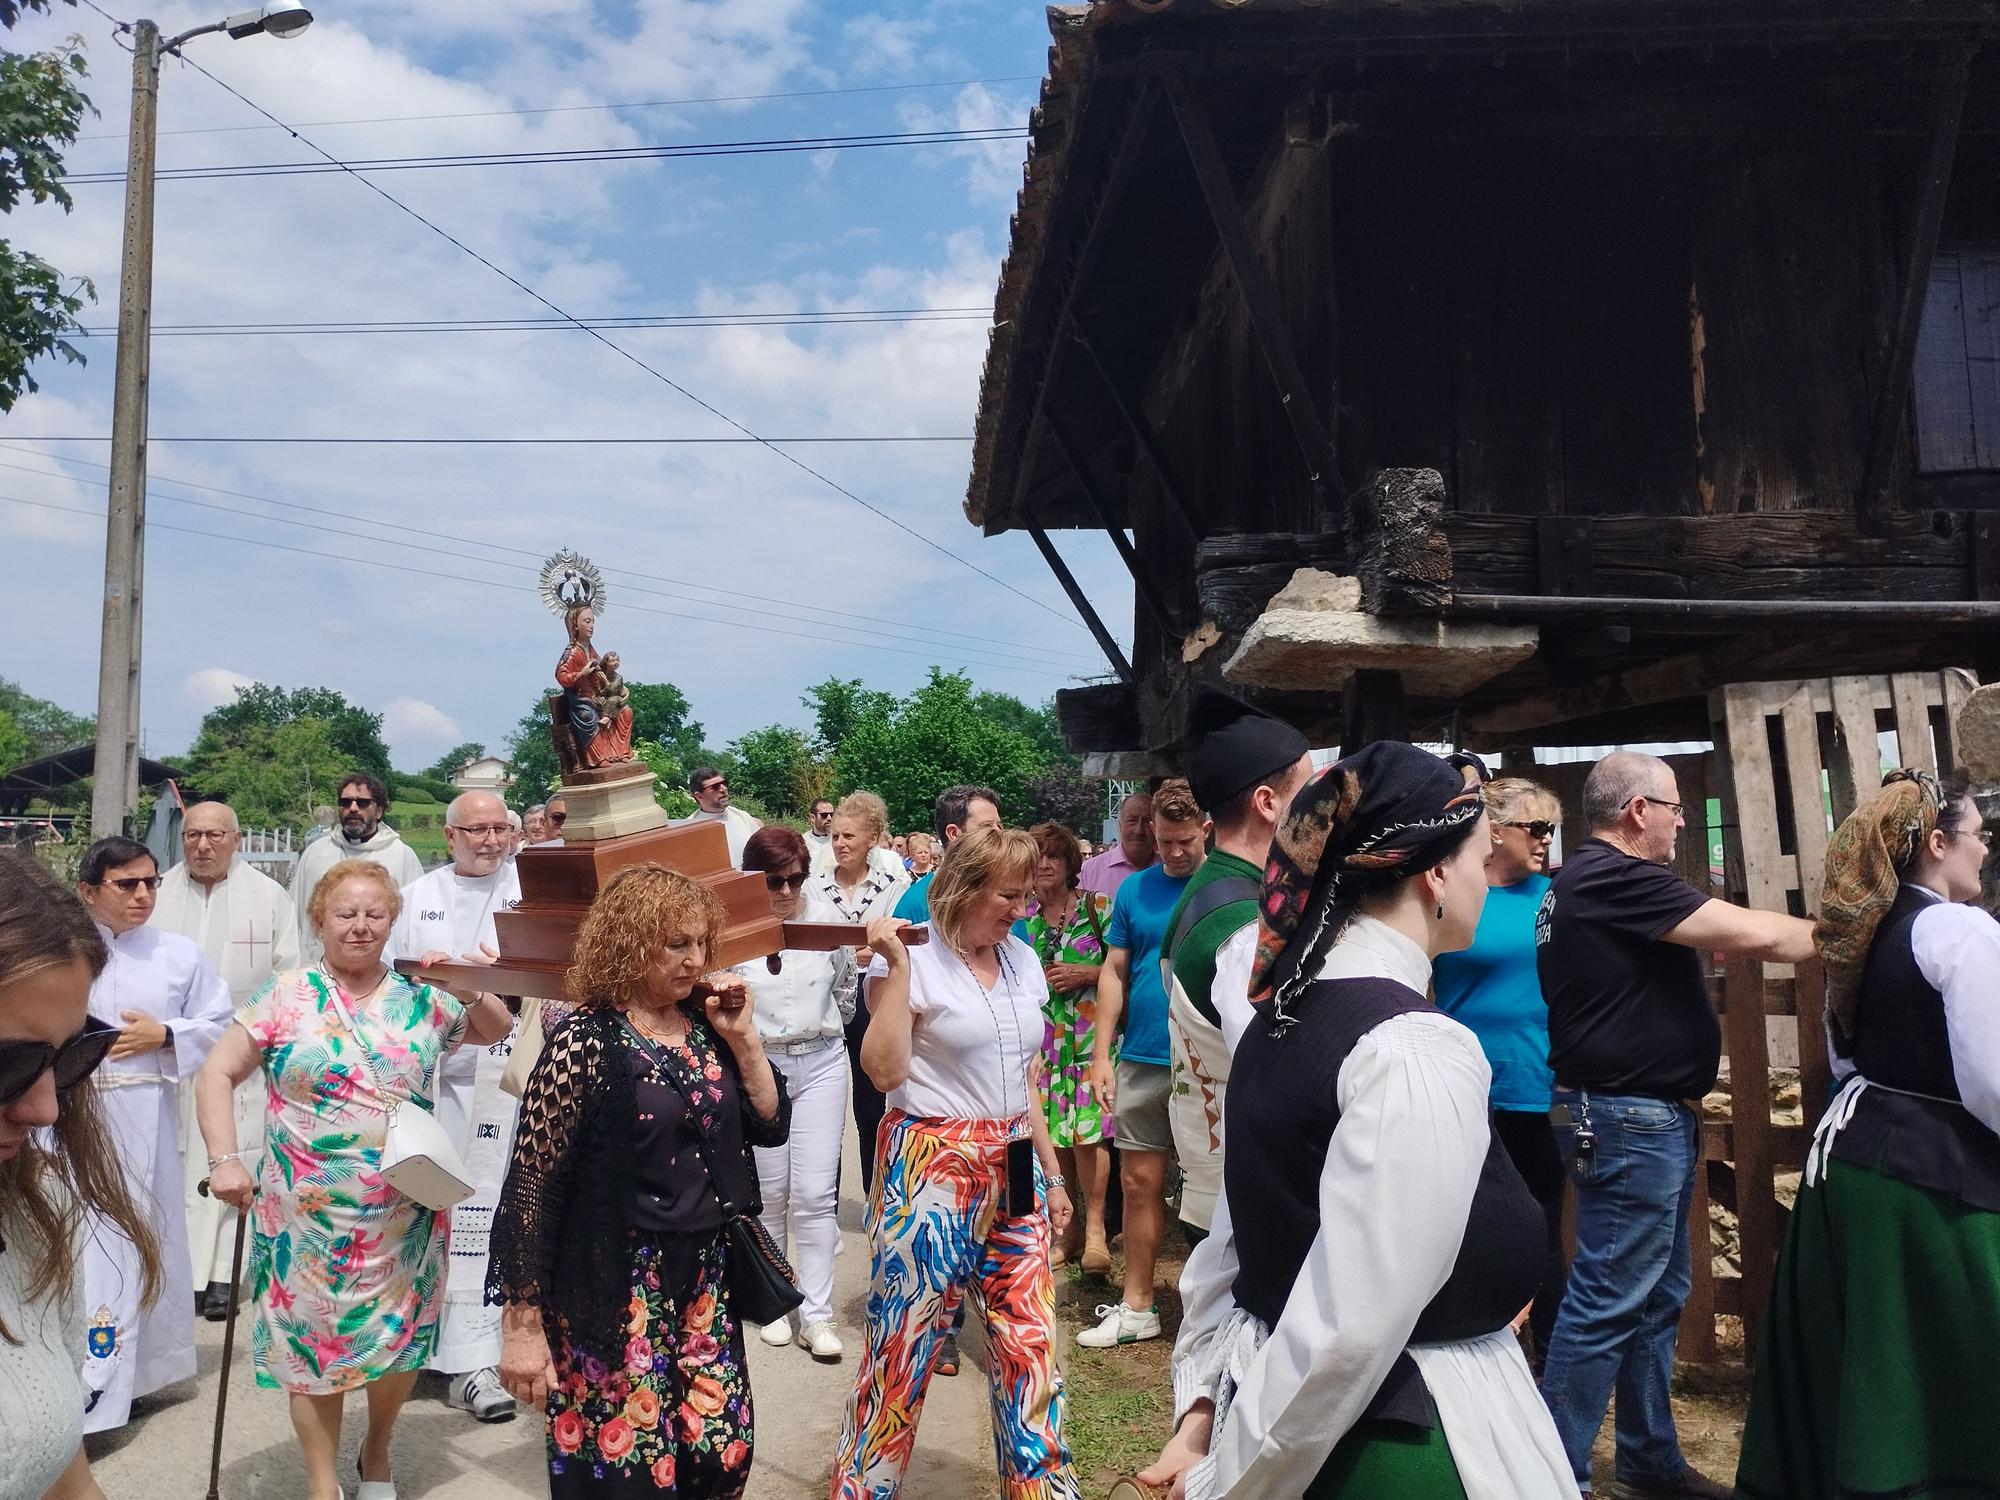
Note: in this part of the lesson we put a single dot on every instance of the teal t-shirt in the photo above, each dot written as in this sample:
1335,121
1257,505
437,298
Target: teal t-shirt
1139,917
914,905
1493,988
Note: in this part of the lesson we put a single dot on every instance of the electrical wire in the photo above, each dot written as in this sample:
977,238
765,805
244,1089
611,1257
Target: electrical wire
928,635
573,109
515,442
837,318
494,583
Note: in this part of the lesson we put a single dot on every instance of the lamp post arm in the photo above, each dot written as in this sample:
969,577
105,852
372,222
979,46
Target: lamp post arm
173,43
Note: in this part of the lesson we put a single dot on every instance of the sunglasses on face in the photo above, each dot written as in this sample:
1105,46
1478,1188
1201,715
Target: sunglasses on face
357,801
1540,829
784,882
556,818
132,883
715,786
23,1063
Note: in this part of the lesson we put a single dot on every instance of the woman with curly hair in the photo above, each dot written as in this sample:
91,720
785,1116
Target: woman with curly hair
57,1163
608,1250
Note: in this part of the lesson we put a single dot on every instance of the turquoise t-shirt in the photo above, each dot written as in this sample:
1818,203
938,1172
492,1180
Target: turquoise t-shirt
1139,916
914,905
1493,988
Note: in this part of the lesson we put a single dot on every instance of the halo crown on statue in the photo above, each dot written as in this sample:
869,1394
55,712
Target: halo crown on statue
590,716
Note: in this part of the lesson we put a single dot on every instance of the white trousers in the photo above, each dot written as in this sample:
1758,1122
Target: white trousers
481,1115
800,1180
212,1225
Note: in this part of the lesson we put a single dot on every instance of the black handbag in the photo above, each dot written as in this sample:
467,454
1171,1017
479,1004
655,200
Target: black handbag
762,1286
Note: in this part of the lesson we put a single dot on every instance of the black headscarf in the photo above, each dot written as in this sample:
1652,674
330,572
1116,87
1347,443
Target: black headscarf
1386,812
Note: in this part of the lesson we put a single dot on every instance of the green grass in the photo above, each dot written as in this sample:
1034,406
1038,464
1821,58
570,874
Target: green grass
1120,1410
422,826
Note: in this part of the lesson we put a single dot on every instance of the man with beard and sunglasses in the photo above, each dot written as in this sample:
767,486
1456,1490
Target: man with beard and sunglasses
361,834
170,1006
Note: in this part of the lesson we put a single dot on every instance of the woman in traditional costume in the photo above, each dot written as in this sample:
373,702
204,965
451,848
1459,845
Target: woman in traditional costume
1360,1342
1877,1374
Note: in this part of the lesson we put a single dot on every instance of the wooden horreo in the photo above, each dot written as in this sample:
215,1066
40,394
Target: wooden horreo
1525,373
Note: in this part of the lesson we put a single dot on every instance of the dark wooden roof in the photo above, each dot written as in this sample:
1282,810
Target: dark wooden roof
1121,236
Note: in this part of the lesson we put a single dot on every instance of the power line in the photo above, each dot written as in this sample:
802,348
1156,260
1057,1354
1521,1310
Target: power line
540,442
572,109
494,583
691,151
979,641
835,318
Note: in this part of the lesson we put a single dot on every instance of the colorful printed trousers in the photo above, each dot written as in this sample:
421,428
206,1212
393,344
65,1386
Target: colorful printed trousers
937,1218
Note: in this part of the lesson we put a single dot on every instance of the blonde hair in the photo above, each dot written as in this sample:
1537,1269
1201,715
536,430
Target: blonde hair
1509,796
1174,803
971,865
639,911
339,875
867,809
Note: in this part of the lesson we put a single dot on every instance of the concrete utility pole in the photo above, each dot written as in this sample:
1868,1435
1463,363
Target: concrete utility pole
115,788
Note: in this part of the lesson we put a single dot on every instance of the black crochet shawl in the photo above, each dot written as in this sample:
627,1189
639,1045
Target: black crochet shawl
559,1237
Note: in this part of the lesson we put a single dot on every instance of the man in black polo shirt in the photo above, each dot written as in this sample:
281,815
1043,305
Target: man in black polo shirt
1632,1039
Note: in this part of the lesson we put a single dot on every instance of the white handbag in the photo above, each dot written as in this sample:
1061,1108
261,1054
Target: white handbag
419,1159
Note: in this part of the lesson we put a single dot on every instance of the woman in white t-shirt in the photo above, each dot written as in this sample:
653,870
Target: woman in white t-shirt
966,1186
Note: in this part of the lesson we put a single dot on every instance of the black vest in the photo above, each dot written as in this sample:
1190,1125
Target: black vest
1900,1040
1280,1117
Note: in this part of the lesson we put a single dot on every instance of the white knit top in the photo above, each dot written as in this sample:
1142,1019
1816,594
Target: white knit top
41,1392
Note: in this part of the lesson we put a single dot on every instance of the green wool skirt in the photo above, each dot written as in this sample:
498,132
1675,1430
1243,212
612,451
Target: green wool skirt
1879,1370
1378,1460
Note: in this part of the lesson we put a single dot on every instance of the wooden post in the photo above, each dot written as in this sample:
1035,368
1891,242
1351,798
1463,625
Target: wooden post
1886,429
1396,538
1143,434
1373,711
1105,640
1142,584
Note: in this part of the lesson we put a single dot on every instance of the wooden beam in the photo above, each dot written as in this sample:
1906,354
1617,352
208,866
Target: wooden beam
1886,429
1099,719
1142,434
1105,640
1142,584
1260,296
1374,710
1123,163
1728,614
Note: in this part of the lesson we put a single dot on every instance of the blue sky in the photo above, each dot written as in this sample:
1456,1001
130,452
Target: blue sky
432,624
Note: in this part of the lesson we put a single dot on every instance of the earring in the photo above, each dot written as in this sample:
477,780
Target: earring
1440,911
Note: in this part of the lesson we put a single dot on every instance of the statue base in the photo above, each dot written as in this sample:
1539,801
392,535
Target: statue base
609,802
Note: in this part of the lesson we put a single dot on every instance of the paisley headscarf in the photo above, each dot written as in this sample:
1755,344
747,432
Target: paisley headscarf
1386,812
1864,864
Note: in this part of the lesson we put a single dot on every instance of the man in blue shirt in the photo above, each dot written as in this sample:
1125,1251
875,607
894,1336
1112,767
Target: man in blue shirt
959,810
1131,990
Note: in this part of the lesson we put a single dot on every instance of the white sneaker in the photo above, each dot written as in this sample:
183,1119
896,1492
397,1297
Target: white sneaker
777,1334
1120,1325
481,1393
819,1340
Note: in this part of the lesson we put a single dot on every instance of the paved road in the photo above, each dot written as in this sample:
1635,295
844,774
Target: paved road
163,1453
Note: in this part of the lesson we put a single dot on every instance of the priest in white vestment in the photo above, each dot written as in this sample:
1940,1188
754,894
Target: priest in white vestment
361,834
243,922
448,917
710,789
171,1006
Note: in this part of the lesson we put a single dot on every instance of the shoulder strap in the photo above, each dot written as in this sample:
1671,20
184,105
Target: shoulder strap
353,1025
1090,900
1206,902
665,1065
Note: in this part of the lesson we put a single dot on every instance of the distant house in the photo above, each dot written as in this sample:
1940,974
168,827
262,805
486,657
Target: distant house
487,774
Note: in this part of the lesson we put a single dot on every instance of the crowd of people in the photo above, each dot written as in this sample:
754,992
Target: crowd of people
1349,1029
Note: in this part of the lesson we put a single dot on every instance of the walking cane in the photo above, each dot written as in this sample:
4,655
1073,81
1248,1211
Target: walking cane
228,1346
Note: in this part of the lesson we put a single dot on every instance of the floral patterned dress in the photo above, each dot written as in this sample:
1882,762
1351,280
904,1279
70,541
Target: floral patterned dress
1076,1117
346,1272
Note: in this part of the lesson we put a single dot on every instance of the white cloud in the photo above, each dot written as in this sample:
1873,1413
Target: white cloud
211,687
992,168
413,727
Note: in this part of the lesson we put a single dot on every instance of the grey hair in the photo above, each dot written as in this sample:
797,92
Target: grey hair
234,825
539,807
1614,781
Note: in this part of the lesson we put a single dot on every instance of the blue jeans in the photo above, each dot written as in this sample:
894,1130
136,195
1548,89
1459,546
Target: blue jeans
1621,1312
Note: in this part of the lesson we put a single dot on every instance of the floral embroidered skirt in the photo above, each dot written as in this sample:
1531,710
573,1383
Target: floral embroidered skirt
672,1415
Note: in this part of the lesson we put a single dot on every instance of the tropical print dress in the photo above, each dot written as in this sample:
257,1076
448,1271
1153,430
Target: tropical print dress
346,1272
1076,1117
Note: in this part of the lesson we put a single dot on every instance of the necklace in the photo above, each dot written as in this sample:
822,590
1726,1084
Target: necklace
652,1032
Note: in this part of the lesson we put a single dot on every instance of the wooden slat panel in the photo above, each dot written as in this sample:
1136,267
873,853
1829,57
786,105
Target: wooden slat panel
1787,1143
1958,685
1766,877
1809,831
1697,1342
1979,275
1913,720
1941,385
1815,1073
1857,765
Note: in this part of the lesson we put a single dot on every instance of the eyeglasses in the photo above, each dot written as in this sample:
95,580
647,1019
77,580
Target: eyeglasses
132,883
23,1063
1672,807
207,835
357,801
784,882
1984,835
716,786
556,818
1539,829
482,830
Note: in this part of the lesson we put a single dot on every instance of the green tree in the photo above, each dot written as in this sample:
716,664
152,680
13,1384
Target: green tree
41,105
933,739
353,731
15,747
840,706
777,768
670,783
660,714
446,765
1063,794
1038,725
272,774
49,728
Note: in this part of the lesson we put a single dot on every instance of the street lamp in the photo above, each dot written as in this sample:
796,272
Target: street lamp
115,787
